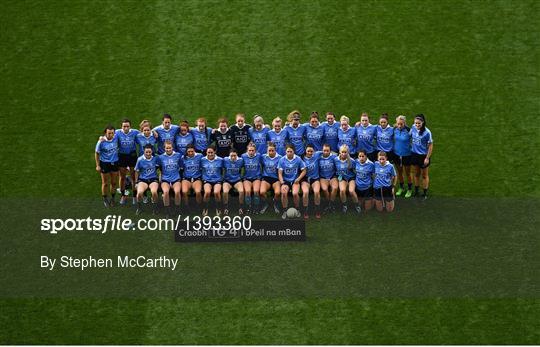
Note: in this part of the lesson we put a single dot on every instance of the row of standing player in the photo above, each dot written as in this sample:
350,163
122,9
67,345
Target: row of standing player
409,147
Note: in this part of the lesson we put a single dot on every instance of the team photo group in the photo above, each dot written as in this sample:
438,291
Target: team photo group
335,164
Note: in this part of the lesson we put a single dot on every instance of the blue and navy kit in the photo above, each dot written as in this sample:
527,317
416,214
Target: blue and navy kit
315,136
420,143
270,165
147,168
170,166
143,141
201,139
233,169
291,168
312,166
385,138
280,140
108,150
252,166
364,174
347,138
402,142
331,135
182,141
126,142
165,135
344,168
259,138
383,175
296,138
212,170
192,166
365,138
327,168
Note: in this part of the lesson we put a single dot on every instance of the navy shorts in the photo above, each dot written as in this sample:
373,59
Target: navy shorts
383,193
127,160
418,160
270,180
152,180
108,167
365,193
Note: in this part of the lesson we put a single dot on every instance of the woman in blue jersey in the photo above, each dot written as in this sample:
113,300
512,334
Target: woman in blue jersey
145,137
278,136
165,132
252,178
191,176
147,177
346,135
259,134
402,155
296,132
106,156
183,138
314,132
422,148
385,137
232,166
212,175
364,170
365,137
170,163
311,181
270,181
328,180
345,175
383,183
201,136
127,156
291,171
331,128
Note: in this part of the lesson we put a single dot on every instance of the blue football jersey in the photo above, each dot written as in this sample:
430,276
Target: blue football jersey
233,169
170,166
315,136
126,142
365,138
364,174
291,168
383,175
278,139
212,170
143,141
259,138
402,142
312,165
270,165
344,168
347,138
252,166
331,135
165,135
147,168
108,150
182,141
385,138
420,142
296,138
192,166
327,168
201,139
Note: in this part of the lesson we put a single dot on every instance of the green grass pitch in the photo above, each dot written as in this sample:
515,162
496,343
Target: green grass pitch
459,269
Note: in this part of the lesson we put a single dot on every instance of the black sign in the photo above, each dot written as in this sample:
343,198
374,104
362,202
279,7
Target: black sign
258,230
